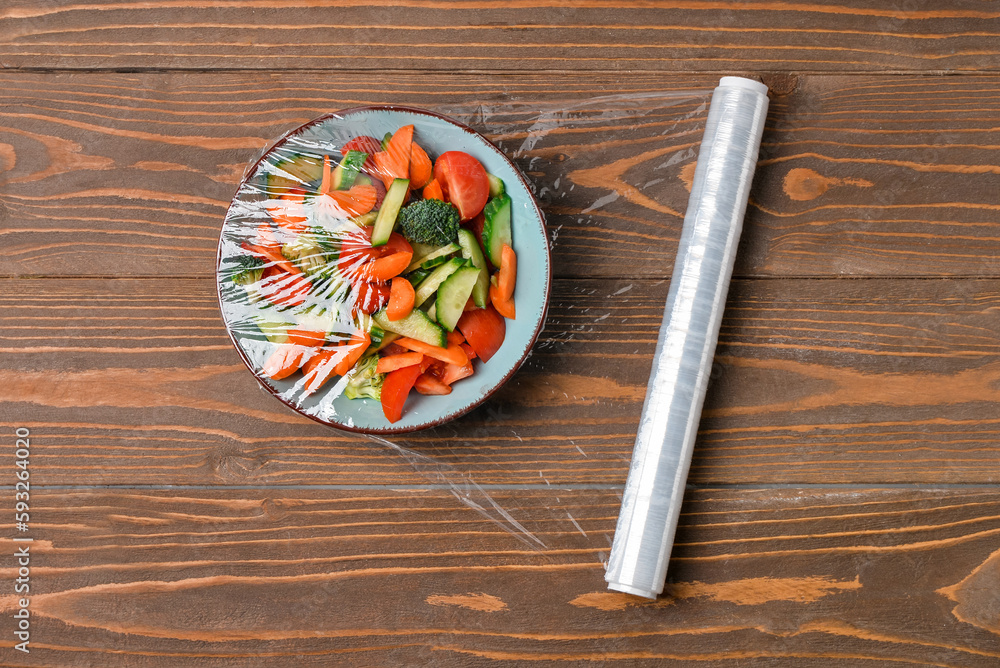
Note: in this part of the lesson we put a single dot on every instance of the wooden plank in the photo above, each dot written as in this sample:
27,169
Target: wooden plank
526,35
784,578
817,381
131,174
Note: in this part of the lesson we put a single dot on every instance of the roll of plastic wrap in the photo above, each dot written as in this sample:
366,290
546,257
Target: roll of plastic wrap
682,363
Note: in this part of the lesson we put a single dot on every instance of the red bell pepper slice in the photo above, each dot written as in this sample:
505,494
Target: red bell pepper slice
396,388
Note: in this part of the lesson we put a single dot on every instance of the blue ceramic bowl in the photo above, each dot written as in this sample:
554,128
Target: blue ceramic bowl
436,134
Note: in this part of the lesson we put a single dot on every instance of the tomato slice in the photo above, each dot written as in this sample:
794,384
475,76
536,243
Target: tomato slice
484,329
370,297
463,181
396,388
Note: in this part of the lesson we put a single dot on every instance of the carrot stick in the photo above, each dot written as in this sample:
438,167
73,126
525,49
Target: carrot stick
401,298
453,354
504,307
324,185
393,362
508,273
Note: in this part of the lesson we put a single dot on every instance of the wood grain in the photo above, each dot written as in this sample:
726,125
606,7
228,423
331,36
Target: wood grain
874,381
525,35
267,577
131,174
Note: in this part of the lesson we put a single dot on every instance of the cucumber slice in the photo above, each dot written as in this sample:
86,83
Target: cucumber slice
348,169
437,252
422,252
365,219
496,185
385,223
432,311
387,338
385,140
453,295
430,284
496,229
275,331
416,326
471,251
416,276
294,171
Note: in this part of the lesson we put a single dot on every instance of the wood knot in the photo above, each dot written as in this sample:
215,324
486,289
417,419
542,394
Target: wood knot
780,83
976,595
802,184
230,466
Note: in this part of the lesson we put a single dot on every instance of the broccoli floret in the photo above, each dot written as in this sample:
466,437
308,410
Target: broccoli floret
248,270
365,382
430,221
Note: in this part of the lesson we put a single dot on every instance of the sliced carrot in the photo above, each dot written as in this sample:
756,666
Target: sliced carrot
452,354
508,272
433,190
289,211
355,349
383,168
456,337
421,170
321,367
398,150
393,362
401,298
504,307
359,200
385,268
306,337
453,372
285,360
428,384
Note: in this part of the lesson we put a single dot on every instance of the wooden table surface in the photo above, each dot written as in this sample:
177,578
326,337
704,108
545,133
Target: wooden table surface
843,507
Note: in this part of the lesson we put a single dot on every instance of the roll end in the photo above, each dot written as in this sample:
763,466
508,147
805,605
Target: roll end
743,82
628,589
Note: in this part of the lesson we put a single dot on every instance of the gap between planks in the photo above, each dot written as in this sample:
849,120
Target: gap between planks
532,487
491,72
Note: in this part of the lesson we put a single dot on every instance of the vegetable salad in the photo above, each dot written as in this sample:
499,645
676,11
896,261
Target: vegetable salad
380,267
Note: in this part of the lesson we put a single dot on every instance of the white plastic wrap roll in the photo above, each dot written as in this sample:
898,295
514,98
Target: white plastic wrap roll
682,363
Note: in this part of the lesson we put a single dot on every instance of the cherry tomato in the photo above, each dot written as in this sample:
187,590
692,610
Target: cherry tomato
463,181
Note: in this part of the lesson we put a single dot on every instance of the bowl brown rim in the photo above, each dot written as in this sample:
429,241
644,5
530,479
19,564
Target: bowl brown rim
381,431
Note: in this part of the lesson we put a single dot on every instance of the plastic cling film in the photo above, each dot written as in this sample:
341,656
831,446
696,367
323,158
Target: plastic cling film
688,335
500,461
